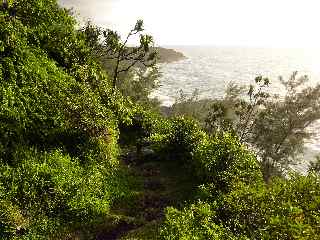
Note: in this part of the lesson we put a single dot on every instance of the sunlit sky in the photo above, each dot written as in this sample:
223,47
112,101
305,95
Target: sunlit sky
265,23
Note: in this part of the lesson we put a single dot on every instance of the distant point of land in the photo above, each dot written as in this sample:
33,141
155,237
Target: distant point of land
167,55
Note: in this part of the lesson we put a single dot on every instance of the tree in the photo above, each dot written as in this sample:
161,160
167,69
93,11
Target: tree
138,83
136,74
275,128
121,56
235,111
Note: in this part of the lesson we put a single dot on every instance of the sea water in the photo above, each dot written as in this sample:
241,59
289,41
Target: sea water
211,69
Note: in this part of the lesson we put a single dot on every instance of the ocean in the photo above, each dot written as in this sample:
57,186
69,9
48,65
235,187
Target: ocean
211,69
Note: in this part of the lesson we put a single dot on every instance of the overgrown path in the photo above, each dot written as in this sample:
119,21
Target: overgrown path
160,184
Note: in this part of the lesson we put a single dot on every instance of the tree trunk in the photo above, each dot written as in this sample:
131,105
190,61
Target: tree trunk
267,170
115,74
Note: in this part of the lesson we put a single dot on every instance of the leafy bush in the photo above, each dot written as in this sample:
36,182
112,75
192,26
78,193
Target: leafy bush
223,161
39,96
287,209
238,203
220,160
140,126
54,185
196,222
177,139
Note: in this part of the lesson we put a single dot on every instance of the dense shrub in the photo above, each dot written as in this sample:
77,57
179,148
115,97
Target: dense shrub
39,96
223,162
196,223
139,127
220,160
287,209
238,205
56,187
59,124
177,139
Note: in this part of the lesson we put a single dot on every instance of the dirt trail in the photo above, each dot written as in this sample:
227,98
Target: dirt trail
162,185
150,202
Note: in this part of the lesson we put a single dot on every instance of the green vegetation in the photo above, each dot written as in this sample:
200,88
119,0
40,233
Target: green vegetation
284,210
132,69
88,156
275,127
234,201
59,125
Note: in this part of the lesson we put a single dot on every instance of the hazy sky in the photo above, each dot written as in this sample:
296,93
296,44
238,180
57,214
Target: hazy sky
273,23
